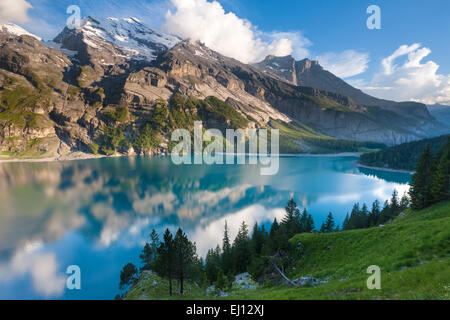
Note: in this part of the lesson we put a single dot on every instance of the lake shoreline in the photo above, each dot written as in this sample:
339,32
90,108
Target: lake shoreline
86,156
72,157
383,169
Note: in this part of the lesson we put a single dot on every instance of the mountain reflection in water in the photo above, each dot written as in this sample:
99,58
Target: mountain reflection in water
98,213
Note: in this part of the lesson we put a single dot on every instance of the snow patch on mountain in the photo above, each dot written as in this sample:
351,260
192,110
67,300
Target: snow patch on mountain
16,30
136,39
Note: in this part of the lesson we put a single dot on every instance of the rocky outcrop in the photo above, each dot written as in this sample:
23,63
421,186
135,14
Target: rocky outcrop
309,73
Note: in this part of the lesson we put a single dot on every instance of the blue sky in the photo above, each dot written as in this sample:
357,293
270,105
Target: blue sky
332,31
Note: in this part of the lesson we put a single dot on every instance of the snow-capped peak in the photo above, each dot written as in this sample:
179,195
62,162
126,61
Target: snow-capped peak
130,34
16,30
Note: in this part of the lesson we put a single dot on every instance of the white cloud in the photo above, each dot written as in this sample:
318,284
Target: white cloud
14,10
207,235
413,80
345,64
228,34
297,42
41,266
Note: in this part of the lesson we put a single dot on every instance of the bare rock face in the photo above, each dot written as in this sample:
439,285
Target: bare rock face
26,56
308,73
145,86
413,119
195,70
283,67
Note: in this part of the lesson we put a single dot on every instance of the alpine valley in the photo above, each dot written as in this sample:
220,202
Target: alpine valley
115,86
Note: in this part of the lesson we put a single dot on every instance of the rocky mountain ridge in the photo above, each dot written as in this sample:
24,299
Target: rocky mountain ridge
310,73
116,86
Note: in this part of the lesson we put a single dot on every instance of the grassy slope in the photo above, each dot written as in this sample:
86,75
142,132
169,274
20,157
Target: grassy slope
152,287
296,137
413,254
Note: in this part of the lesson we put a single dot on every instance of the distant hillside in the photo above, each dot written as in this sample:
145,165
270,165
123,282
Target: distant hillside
441,113
403,156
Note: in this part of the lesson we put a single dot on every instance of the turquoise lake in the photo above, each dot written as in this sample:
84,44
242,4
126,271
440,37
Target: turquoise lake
97,214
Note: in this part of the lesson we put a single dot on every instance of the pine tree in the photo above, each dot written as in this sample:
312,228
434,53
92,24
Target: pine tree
328,225
128,275
374,213
309,224
154,244
354,221
150,251
303,221
404,202
257,240
345,224
273,237
440,182
291,221
221,282
165,261
421,181
185,258
395,205
385,213
227,259
241,249
146,257
364,217
212,264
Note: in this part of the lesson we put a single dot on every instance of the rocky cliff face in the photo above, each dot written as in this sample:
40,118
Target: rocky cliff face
310,73
109,87
331,113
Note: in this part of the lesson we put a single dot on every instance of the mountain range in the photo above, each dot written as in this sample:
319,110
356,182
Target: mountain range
117,86
440,112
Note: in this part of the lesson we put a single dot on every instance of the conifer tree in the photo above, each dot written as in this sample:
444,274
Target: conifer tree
185,258
227,259
404,202
272,241
291,221
420,193
345,224
385,213
440,181
395,205
309,224
150,251
165,261
212,264
364,217
303,221
328,225
374,213
146,257
221,281
241,249
257,240
354,221
128,275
